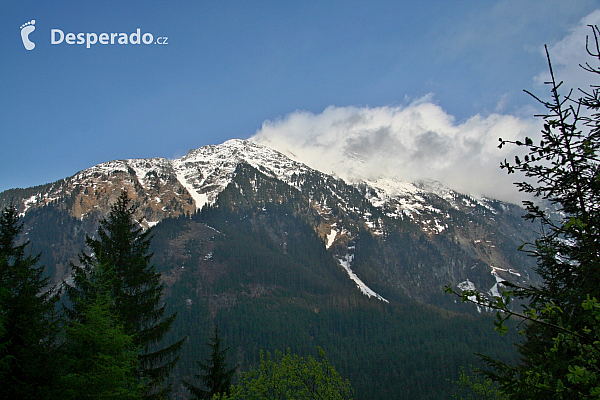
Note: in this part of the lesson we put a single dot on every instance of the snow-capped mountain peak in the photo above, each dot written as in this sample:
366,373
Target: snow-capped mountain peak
206,171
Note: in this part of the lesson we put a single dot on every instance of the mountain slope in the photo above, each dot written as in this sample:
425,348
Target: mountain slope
254,263
391,237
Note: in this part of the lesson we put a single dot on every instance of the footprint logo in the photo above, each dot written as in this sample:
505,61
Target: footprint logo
26,29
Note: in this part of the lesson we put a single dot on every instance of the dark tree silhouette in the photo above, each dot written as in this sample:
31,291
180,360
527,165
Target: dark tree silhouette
28,350
215,374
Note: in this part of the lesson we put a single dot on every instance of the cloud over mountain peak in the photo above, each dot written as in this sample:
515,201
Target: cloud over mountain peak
412,142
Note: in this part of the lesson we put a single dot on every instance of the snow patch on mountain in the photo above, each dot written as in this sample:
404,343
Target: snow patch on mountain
200,199
495,290
367,291
28,203
331,237
468,285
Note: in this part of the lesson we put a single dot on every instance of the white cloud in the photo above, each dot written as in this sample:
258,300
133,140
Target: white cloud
420,140
412,142
569,52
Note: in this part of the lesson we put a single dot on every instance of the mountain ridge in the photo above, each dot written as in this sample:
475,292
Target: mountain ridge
163,188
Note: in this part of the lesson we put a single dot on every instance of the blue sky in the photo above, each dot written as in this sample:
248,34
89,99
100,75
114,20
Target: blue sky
230,66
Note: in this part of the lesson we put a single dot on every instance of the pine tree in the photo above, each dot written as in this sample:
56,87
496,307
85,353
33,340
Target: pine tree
28,348
216,376
101,358
561,348
123,247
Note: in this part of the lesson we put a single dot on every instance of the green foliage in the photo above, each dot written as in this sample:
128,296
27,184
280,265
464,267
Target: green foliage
29,326
288,376
477,387
562,319
101,358
216,376
120,256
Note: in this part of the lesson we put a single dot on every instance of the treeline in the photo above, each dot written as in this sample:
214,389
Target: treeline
278,288
105,341
400,351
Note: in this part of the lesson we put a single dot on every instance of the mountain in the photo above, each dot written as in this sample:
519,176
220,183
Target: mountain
283,255
424,235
